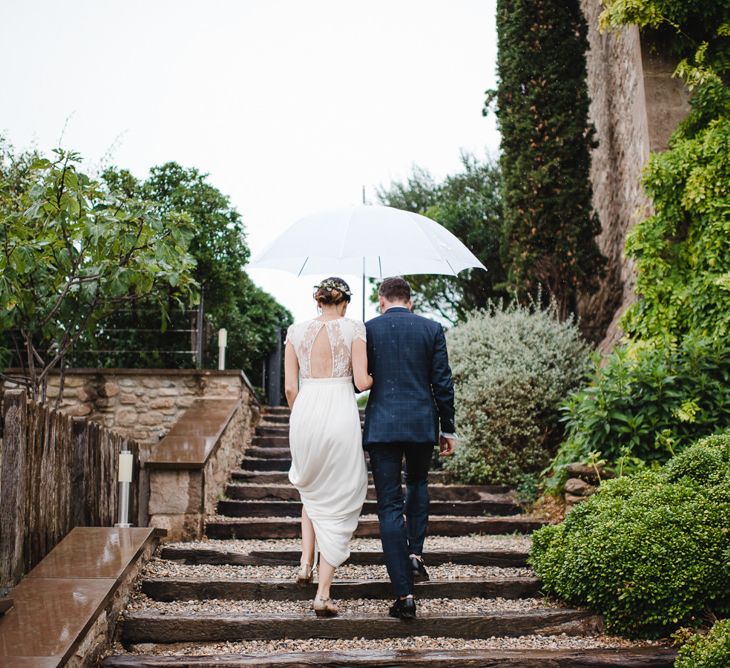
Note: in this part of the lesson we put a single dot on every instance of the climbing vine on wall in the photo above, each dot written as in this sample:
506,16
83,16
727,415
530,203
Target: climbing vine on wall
682,252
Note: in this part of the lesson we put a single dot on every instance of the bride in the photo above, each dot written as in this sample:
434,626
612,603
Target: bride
323,357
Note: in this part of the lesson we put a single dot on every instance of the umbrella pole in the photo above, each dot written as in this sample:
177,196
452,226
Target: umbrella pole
363,288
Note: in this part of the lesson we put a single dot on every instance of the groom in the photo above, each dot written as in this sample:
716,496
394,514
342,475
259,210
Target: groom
411,407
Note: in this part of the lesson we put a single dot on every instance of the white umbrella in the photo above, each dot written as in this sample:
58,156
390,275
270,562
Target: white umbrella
375,241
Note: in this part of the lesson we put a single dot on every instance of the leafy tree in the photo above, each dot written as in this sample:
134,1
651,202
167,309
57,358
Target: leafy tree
468,204
542,110
219,247
72,252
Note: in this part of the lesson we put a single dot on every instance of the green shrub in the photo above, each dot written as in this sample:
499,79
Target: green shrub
649,401
512,367
710,651
648,551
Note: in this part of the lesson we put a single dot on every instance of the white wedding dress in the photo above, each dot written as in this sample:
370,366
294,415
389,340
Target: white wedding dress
328,463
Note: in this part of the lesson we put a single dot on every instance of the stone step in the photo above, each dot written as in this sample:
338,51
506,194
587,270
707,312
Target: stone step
152,626
436,492
262,464
271,434
269,442
280,410
279,477
626,657
271,438
285,527
271,429
200,589
276,418
248,508
269,452
197,555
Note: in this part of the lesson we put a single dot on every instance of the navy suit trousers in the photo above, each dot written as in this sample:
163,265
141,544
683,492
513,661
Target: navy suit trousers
401,537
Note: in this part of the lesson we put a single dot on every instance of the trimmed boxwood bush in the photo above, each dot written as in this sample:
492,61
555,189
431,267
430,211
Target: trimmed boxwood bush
651,552
512,368
710,651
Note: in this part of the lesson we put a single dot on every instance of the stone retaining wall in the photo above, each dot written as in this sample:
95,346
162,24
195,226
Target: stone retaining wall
181,498
140,403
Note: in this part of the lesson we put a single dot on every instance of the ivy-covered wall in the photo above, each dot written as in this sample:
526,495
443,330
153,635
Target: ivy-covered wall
635,105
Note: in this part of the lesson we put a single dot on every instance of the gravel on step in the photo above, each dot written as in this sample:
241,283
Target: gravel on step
263,647
227,519
516,542
160,568
351,607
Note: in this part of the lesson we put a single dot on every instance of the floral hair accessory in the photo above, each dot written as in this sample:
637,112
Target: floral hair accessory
334,284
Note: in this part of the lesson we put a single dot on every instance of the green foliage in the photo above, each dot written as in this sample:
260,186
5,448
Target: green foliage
512,367
648,551
468,204
548,239
682,25
682,252
708,651
648,402
72,252
232,301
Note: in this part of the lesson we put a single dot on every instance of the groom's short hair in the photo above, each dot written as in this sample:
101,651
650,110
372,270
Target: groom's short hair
395,289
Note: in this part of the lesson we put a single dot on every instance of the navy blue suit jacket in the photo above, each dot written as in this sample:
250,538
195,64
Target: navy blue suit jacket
412,397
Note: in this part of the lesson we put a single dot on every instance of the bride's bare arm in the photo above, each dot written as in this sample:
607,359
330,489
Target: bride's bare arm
363,381
291,374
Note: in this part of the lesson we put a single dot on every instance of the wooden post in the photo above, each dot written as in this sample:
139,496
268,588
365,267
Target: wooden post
13,477
200,327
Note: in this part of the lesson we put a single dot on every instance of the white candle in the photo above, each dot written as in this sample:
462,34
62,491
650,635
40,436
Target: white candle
126,463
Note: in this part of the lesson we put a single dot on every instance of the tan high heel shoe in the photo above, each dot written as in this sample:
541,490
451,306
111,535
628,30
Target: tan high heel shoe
304,576
324,607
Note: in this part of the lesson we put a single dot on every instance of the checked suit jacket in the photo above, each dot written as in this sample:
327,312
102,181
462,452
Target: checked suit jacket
412,398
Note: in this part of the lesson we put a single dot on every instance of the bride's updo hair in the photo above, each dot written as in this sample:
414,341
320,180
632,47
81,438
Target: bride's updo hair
332,290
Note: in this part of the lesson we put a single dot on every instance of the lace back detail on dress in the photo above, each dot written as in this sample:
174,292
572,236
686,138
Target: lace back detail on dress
312,352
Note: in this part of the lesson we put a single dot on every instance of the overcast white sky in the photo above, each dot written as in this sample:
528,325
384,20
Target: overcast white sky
291,106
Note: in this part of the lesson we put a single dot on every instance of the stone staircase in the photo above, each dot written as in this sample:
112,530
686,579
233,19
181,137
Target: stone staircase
231,600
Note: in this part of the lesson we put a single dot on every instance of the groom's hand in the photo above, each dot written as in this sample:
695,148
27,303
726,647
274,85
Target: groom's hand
446,446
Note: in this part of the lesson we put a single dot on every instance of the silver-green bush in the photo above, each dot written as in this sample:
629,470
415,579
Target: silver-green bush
513,366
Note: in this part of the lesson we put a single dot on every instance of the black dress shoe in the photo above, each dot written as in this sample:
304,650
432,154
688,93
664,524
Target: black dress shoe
420,574
403,608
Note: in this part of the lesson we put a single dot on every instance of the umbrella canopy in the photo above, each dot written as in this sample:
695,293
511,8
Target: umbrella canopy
370,240
375,241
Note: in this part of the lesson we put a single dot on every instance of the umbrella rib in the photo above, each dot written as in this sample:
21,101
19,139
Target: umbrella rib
456,273
301,269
